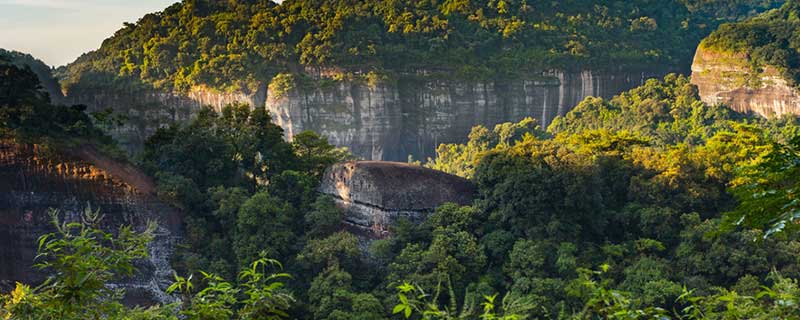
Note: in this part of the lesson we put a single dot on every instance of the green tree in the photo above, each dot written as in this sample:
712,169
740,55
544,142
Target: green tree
253,236
768,191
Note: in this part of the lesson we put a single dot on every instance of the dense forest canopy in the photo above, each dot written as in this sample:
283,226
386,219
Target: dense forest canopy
626,208
232,45
770,39
648,205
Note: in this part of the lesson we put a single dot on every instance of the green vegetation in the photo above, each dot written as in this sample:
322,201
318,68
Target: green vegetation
42,71
82,260
641,186
27,114
231,171
233,45
647,205
770,39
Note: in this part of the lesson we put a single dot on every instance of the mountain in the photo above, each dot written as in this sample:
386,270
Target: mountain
754,65
387,78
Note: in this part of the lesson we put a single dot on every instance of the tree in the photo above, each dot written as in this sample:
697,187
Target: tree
254,237
315,153
768,191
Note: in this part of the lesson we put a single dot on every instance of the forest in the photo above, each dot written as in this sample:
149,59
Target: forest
238,44
649,205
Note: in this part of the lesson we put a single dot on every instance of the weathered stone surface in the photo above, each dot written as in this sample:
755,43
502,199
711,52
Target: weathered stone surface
33,180
729,79
388,120
374,194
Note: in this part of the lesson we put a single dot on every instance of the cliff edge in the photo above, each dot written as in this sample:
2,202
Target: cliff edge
731,79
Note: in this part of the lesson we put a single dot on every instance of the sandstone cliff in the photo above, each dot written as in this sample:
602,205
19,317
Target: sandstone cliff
733,80
33,180
374,194
387,120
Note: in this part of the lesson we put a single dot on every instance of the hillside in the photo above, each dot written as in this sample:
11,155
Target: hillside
229,45
387,79
42,71
770,39
754,65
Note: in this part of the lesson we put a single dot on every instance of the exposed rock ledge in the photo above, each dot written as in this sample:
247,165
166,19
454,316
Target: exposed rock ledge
729,79
374,194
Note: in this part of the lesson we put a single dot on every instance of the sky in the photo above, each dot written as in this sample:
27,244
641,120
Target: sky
58,31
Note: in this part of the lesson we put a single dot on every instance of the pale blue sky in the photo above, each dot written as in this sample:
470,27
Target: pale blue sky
58,31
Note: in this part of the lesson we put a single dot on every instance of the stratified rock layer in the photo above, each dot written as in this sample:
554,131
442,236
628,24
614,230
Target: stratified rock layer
374,194
730,79
387,120
33,180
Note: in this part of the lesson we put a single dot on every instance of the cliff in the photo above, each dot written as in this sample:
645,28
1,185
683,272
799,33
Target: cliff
374,194
733,79
33,180
387,120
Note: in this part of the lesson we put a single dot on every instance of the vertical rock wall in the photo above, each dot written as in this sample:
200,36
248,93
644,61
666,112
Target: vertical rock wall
390,121
385,121
33,180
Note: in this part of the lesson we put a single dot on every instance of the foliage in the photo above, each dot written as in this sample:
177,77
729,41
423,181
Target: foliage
81,260
43,72
233,170
769,39
414,301
27,114
461,159
258,296
241,45
767,191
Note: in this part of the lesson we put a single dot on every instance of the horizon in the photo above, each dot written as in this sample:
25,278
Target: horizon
59,31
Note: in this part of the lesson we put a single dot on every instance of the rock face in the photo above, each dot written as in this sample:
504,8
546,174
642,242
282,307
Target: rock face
729,79
33,180
374,194
388,120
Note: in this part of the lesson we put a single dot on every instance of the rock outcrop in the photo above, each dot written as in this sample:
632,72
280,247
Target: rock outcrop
732,79
33,180
387,120
374,194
